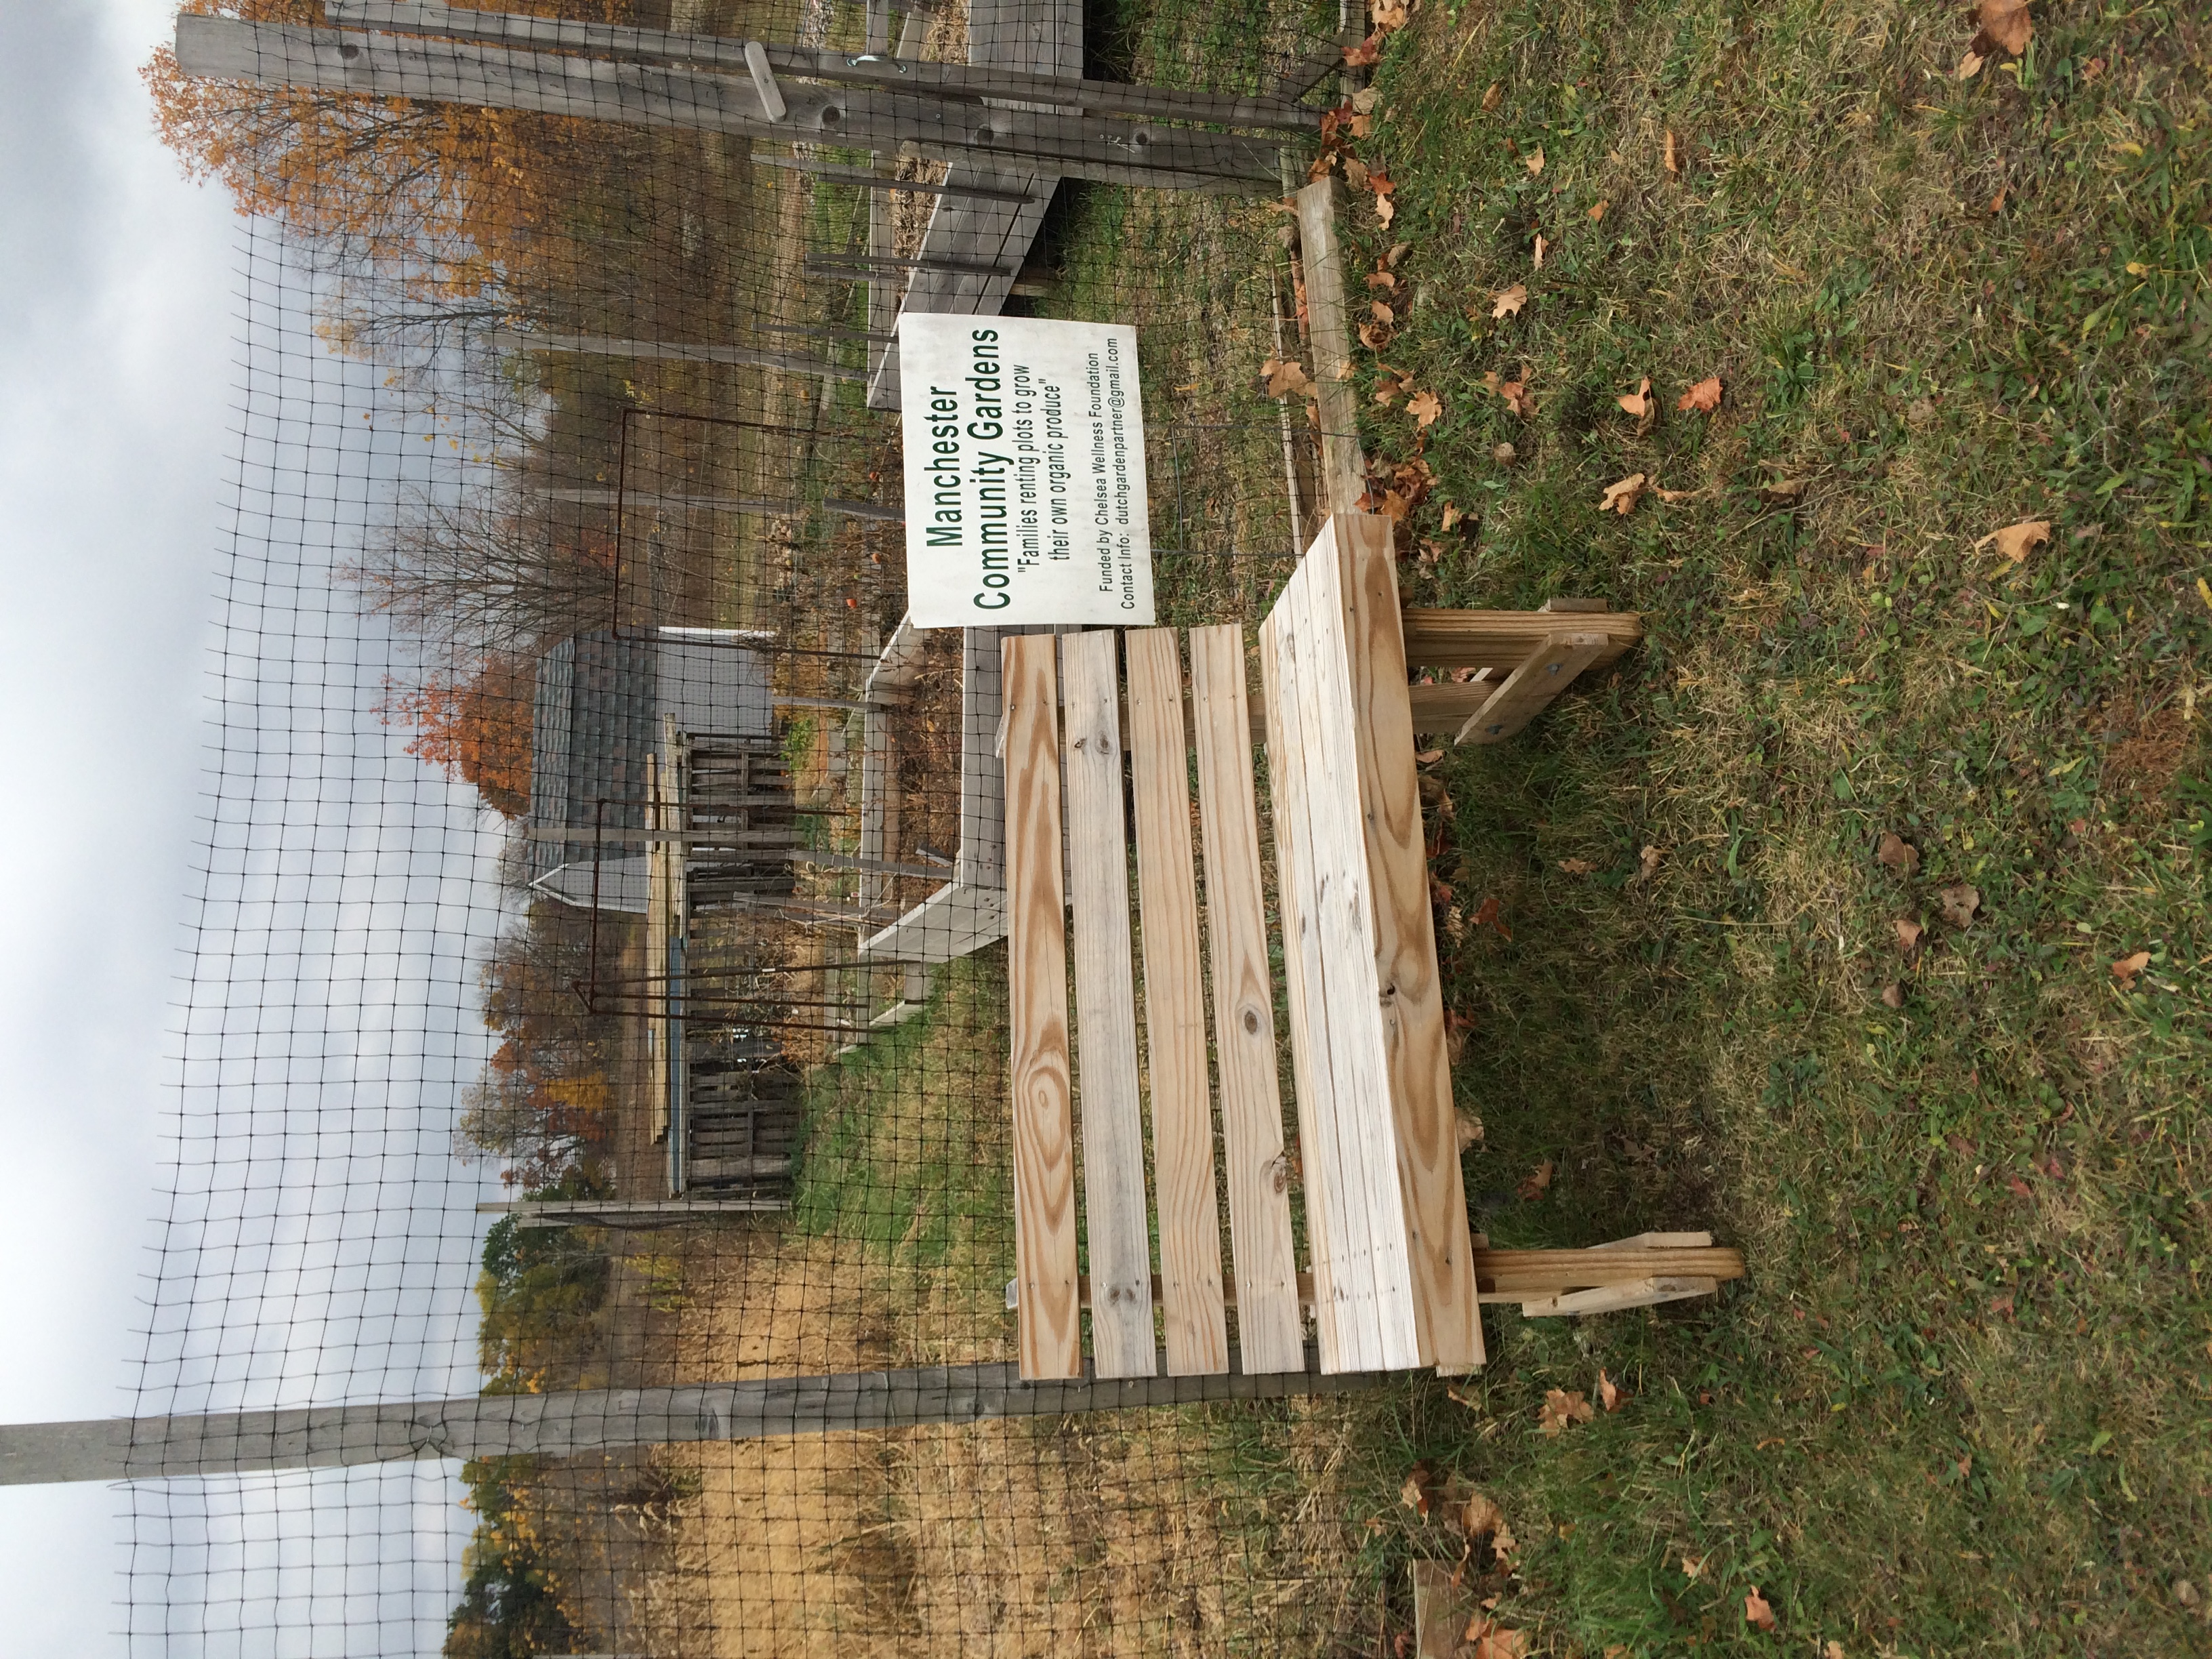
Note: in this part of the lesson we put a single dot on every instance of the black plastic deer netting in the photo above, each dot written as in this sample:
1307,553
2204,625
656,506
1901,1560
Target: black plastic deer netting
598,980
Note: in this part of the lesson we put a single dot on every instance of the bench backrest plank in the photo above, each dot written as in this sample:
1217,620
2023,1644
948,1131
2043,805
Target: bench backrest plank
1449,1319
1269,1331
1105,1011
1376,1269
1196,1326
1050,1327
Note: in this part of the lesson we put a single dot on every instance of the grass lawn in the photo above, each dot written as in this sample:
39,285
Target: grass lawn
1964,1404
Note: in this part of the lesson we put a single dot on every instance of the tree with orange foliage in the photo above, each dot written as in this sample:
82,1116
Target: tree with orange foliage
476,725
454,197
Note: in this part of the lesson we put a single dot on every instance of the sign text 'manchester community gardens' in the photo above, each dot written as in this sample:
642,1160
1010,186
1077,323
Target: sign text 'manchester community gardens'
1024,473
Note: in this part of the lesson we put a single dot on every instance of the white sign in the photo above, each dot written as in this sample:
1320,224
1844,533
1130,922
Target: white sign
1025,494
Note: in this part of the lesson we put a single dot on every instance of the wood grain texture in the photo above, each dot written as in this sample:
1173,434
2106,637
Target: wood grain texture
1268,1333
1196,1327
656,953
1105,1011
1410,988
1344,471
1546,1272
1500,640
1310,1072
1049,1335
1351,1000
1547,670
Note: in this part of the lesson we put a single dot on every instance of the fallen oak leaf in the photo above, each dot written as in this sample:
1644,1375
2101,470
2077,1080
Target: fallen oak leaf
1452,516
1542,247
1355,173
1783,492
1758,1612
1286,380
1693,1566
1673,496
1368,51
1639,402
1398,251
1508,302
1897,853
2015,541
1647,865
1970,65
1385,211
1908,934
1376,336
1534,1185
1390,14
1598,212
1516,393
1486,1638
1610,1393
1492,96
1534,161
2129,966
1383,280
1487,915
1959,901
1704,397
2005,25
1382,312
1577,866
1621,497
1364,100
1562,1408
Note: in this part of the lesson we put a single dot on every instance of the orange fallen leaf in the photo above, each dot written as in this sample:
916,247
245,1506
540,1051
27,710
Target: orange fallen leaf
1516,393
1508,302
1610,1393
1493,97
1355,173
1542,247
1385,210
1908,934
1647,864
1286,378
1535,160
1368,50
1833,1650
1598,212
2005,25
1487,915
1639,402
1478,1518
1693,1566
1536,1183
1452,516
1376,336
1577,866
1997,201
1383,280
1560,1409
1486,1638
1670,153
1398,251
1428,756
1893,995
1425,407
2129,966
1897,853
1970,66
1621,497
1676,494
1420,1488
1390,14
1380,182
1704,397
2015,541
1757,1611
1380,313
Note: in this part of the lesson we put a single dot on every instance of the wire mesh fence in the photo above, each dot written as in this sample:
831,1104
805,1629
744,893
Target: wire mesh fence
597,982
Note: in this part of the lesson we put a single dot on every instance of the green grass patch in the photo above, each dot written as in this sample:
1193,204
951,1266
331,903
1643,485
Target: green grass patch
1961,1405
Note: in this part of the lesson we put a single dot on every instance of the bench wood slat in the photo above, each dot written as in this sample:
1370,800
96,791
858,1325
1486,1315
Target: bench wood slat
1105,1011
1310,1078
1449,1320
1049,1333
1196,1327
1270,1337
1549,668
1377,1271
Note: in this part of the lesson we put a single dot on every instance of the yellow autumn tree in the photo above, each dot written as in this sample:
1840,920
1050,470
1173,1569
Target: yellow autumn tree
449,198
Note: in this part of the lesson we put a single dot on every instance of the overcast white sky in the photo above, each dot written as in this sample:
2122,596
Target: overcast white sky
118,378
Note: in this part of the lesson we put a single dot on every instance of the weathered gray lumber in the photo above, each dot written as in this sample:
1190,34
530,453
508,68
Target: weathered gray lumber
596,496
561,1425
874,67
644,94
871,179
681,351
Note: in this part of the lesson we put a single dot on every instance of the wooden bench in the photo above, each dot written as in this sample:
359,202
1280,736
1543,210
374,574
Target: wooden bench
1396,1277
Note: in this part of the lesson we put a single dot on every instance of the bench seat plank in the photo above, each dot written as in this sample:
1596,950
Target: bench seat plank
1122,1329
1194,1326
1270,1335
1050,1326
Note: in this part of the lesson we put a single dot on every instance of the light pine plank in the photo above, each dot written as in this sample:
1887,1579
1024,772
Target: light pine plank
1547,670
1335,1207
1268,1336
1196,1329
656,951
1310,1076
1343,472
1105,1011
1410,988
1499,640
1049,1337
1350,1005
